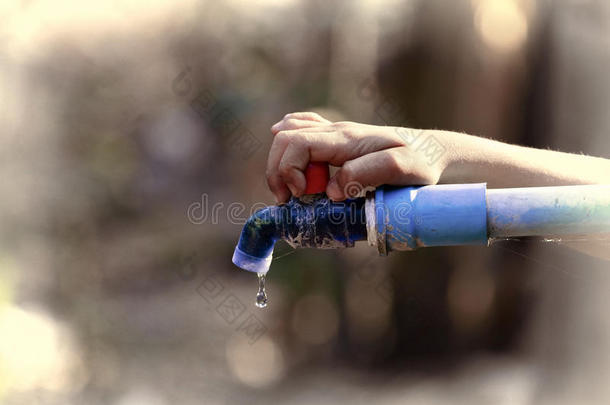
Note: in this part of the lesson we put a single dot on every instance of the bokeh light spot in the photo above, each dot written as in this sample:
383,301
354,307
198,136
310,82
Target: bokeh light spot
502,24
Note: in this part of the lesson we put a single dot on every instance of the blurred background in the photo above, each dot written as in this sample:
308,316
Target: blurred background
134,137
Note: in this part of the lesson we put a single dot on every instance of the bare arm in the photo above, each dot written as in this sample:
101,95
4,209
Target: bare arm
373,155
474,159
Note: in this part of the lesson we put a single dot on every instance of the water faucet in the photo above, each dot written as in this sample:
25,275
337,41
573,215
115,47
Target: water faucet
406,218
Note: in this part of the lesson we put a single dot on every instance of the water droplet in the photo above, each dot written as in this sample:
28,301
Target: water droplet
261,295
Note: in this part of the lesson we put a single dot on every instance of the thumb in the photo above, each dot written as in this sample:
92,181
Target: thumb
362,174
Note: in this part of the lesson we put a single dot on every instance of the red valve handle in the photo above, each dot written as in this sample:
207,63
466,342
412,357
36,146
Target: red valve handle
316,175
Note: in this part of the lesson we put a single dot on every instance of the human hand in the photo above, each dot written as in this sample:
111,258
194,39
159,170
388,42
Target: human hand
367,155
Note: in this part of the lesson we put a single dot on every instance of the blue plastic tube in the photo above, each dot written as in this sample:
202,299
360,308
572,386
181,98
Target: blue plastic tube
407,218
316,222
548,211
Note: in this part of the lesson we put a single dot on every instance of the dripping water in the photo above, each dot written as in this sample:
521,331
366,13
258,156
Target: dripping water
261,295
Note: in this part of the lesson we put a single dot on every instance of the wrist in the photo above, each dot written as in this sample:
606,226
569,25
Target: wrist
451,149
462,159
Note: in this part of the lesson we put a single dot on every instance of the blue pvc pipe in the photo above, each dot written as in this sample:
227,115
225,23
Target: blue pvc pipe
411,217
316,222
464,214
254,249
548,211
406,218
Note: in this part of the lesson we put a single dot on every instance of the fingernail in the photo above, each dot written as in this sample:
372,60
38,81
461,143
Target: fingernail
332,190
282,197
293,189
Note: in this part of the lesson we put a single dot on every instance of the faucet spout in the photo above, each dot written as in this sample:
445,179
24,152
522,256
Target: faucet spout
255,247
311,222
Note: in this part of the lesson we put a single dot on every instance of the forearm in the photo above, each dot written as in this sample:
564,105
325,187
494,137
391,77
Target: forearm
473,159
372,155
